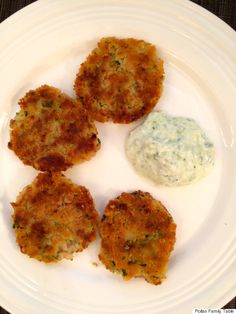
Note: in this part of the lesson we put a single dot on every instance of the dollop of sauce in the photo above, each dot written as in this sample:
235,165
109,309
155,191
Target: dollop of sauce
170,151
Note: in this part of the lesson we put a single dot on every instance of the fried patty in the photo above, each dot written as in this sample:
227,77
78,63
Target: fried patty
121,80
52,131
53,218
138,235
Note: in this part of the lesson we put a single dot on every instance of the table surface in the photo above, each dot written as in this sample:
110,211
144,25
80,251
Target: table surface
224,9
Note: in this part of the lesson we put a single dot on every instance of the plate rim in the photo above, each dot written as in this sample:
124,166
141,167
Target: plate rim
20,14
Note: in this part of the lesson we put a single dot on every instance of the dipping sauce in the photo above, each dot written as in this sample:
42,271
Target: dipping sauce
171,151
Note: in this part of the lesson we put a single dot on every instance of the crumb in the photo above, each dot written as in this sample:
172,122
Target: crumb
54,218
138,235
121,80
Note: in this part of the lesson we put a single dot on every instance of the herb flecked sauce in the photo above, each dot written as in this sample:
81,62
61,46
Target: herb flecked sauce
171,151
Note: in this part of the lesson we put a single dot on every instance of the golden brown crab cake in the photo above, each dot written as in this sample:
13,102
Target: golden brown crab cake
121,80
138,235
52,131
54,218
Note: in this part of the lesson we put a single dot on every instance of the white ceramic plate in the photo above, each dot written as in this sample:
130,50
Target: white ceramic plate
45,43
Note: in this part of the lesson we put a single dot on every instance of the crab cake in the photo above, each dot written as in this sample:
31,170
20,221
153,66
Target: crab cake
121,80
53,218
138,235
52,131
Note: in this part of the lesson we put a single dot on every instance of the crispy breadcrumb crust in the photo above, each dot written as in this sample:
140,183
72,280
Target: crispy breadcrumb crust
53,218
52,132
138,235
121,80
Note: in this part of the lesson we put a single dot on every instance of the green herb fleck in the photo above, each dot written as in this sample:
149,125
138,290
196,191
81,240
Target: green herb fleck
56,257
135,85
15,225
101,104
124,272
47,104
113,263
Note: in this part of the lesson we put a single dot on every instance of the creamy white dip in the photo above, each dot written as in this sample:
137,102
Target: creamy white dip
171,151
